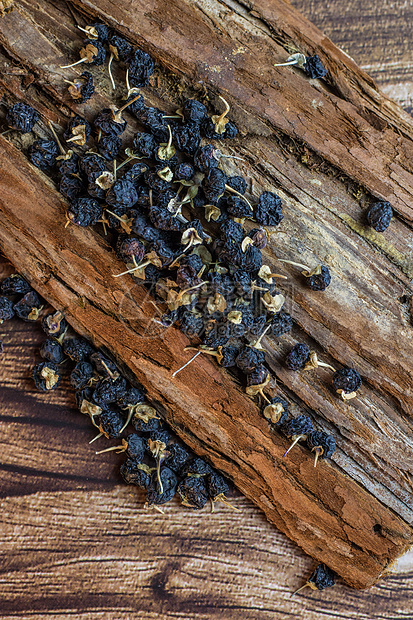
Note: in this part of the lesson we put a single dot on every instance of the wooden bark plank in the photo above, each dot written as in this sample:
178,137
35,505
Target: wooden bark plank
200,404
310,320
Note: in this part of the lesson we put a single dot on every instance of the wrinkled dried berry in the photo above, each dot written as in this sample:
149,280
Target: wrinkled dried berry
81,374
249,358
22,117
346,379
322,577
193,492
138,104
281,323
208,128
258,376
119,47
197,466
169,484
237,207
71,187
191,325
141,68
43,153
229,356
103,366
46,376
276,411
130,248
379,215
314,67
85,211
6,309
268,211
92,165
106,122
188,138
78,349
110,423
98,31
216,486
15,285
93,52
82,88
194,111
321,443
107,391
176,457
52,351
136,473
213,184
109,146
319,281
297,357
301,425
78,131
29,307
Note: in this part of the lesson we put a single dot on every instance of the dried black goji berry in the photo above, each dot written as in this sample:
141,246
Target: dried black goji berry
46,376
15,285
193,492
281,323
109,146
78,349
71,187
194,111
6,309
319,281
379,215
268,211
82,88
188,138
322,444
22,117
42,153
108,123
169,484
136,473
141,68
81,374
346,379
249,358
85,211
297,357
197,466
54,324
52,351
29,307
314,67
107,391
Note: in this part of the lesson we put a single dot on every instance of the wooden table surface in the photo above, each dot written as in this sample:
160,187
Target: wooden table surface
77,542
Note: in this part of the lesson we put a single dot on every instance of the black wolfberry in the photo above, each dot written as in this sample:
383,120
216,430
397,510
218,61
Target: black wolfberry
6,309
206,158
82,88
346,379
109,146
106,122
319,281
322,444
54,324
43,153
238,207
110,423
276,412
169,484
193,492
194,111
108,391
249,358
46,376
122,194
85,211
136,473
208,128
198,467
138,105
129,248
28,308
92,165
81,374
176,457
216,485
15,285
188,138
229,355
141,68
119,47
22,117
71,187
322,577
379,215
268,211
52,351
79,129
297,357
314,67
281,323
78,349
104,366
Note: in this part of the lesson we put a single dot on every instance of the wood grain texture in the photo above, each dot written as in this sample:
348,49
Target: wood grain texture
371,606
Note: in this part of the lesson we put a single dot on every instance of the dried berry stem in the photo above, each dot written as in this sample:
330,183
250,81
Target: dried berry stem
110,72
63,152
187,364
74,64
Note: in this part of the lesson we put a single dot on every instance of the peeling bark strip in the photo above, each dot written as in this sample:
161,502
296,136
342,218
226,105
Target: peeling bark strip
322,510
362,319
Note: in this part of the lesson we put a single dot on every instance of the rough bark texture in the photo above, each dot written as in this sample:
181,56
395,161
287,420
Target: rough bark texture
290,145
